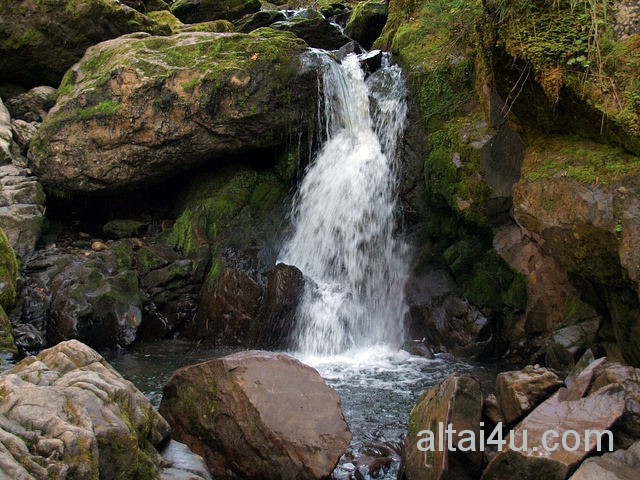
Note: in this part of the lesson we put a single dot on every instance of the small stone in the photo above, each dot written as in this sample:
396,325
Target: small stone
98,246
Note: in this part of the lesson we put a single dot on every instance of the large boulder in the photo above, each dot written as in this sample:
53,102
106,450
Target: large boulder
520,391
39,41
22,207
66,413
196,11
455,401
139,108
315,30
257,415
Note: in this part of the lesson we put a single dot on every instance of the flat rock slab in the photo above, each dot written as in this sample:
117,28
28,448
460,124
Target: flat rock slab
256,415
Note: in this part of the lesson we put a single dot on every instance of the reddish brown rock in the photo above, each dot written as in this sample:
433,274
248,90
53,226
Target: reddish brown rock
257,415
519,391
618,465
598,411
456,400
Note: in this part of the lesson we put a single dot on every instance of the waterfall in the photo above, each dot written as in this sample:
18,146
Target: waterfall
344,214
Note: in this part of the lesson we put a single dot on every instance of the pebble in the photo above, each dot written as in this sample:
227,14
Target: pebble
98,246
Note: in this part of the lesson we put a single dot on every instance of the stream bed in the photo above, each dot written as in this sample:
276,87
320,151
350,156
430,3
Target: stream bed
378,386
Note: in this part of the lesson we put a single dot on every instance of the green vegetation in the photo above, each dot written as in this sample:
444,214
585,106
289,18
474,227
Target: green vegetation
8,272
586,161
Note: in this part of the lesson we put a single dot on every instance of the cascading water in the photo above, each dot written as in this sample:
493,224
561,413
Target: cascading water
344,217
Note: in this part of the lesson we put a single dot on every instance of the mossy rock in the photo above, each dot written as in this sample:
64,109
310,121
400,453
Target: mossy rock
165,17
263,18
7,345
41,40
196,11
367,21
216,26
8,272
186,99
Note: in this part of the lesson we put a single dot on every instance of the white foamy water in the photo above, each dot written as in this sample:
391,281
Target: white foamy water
344,216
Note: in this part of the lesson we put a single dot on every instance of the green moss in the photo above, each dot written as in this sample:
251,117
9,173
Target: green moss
8,272
7,345
216,26
31,36
102,109
583,160
167,18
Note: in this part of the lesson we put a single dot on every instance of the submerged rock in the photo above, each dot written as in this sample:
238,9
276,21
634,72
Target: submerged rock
138,109
66,413
257,415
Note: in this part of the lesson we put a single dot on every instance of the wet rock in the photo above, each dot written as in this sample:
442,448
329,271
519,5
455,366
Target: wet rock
94,298
68,413
21,208
276,320
520,391
43,39
33,105
8,272
447,322
6,135
419,348
227,312
196,11
263,18
182,463
243,95
257,415
367,21
371,61
618,465
314,30
456,400
351,47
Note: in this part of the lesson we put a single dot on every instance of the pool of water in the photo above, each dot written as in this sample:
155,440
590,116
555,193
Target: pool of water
378,387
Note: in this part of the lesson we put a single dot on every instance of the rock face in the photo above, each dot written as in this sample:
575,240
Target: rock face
367,21
447,322
519,391
41,40
196,11
257,415
456,400
138,109
67,414
22,207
